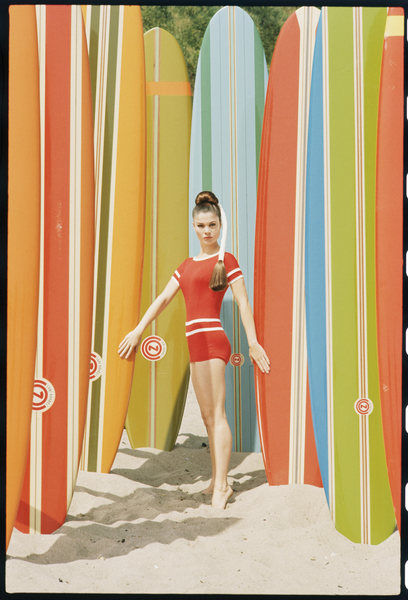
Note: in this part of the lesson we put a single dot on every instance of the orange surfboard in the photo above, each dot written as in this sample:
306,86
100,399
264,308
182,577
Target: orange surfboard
23,260
66,271
117,65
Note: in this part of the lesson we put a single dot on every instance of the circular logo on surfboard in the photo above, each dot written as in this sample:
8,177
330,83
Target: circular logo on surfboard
363,406
43,396
96,366
153,348
237,360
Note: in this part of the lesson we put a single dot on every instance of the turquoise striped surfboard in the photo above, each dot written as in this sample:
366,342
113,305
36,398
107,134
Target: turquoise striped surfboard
340,272
228,107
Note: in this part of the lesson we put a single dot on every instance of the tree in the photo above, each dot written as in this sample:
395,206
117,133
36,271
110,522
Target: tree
269,21
188,24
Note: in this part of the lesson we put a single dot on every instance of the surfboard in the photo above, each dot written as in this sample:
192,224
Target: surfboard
116,57
283,401
229,98
66,271
160,381
340,271
23,258
389,247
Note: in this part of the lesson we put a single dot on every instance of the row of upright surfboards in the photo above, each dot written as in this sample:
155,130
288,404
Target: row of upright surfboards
328,263
308,167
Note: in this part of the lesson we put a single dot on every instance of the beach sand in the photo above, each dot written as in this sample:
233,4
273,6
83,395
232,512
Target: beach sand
145,528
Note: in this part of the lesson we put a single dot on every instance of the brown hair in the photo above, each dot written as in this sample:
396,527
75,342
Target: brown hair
208,202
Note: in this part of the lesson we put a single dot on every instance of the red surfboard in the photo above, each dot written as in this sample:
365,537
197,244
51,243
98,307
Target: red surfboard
66,271
389,235
283,403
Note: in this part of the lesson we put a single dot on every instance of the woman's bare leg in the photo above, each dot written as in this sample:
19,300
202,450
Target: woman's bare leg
208,378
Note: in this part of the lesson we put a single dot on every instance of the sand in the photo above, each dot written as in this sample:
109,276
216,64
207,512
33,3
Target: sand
146,528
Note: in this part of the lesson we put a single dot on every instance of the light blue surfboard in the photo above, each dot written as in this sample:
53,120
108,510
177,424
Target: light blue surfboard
229,98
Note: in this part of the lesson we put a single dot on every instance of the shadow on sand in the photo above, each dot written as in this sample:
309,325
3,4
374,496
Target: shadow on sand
113,528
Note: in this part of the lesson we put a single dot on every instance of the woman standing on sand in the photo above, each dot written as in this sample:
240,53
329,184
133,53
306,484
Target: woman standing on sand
204,280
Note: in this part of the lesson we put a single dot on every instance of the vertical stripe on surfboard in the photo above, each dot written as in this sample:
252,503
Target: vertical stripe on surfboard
105,127
43,462
326,118
154,227
236,340
98,62
299,383
250,80
111,221
75,248
361,270
326,104
34,497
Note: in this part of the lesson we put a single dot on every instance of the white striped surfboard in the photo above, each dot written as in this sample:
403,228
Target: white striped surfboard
66,271
228,106
340,272
283,400
116,55
159,387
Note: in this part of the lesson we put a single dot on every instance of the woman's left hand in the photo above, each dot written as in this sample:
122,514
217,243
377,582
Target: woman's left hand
258,354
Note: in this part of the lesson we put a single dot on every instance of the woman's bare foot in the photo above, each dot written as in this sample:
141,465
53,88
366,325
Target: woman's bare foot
209,489
221,496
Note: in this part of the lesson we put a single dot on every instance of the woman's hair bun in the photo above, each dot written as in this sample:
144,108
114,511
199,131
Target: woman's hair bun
206,197
206,202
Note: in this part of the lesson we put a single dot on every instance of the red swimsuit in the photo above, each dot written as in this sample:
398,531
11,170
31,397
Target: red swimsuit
205,336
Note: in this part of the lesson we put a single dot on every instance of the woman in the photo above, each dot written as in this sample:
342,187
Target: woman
203,281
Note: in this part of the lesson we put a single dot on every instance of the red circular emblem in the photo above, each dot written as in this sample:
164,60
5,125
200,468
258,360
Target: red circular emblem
363,406
96,366
237,360
43,395
153,348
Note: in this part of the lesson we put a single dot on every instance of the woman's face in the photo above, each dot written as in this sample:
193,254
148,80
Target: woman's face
207,226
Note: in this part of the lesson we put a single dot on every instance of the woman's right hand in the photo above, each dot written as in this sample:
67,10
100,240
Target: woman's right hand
130,343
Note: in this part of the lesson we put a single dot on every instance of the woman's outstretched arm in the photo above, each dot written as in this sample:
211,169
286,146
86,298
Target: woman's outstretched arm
256,352
133,339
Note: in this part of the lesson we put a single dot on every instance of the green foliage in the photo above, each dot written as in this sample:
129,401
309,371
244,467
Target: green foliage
188,24
269,21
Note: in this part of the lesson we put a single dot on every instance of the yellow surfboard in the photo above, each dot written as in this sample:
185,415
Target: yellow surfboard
161,373
116,55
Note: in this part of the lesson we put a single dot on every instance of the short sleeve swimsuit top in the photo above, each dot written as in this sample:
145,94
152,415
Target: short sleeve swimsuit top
205,336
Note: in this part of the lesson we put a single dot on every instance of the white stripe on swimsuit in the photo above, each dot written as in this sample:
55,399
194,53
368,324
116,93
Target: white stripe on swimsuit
238,270
202,329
